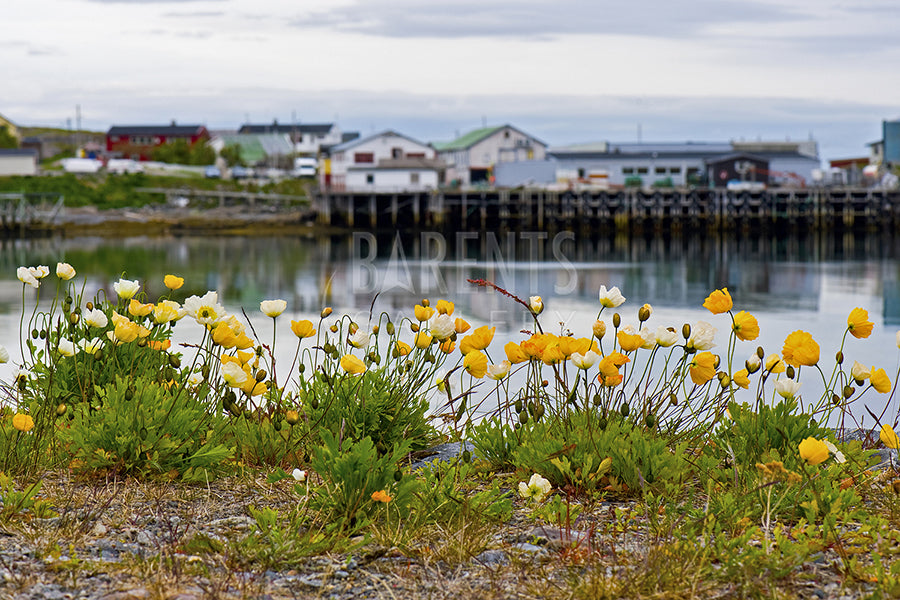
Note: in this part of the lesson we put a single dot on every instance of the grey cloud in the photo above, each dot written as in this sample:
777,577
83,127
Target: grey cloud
539,19
194,14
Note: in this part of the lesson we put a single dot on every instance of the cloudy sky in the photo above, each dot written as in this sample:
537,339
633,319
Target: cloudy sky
566,71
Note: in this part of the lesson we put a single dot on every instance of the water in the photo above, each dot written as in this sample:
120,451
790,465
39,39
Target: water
808,282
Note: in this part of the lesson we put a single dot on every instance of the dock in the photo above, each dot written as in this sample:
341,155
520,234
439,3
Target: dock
599,210
26,212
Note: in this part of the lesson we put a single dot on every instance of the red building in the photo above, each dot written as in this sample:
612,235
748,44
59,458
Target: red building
138,141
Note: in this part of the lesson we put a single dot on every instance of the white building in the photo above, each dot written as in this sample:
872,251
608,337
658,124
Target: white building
396,175
308,138
364,157
470,158
18,162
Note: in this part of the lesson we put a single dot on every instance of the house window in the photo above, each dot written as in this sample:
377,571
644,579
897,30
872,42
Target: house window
396,152
364,157
581,173
370,178
625,170
675,170
414,178
660,170
415,155
642,170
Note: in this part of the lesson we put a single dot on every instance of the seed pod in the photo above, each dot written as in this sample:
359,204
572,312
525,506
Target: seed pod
624,409
673,399
848,391
835,399
616,320
314,403
523,417
602,422
597,399
398,475
839,357
276,424
789,372
520,406
34,334
328,347
204,370
539,411
467,456
174,360
301,368
650,421
686,331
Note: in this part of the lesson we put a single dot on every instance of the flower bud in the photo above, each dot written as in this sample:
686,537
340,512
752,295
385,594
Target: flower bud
425,302
789,372
375,330
686,331
848,391
760,352
292,417
644,312
599,329
839,357
725,382
616,320
326,311
390,328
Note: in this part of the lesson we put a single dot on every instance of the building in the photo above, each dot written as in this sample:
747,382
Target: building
14,161
11,128
886,151
264,149
364,157
396,175
309,139
138,141
648,164
470,158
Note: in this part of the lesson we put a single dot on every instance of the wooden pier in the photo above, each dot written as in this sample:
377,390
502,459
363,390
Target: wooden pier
24,212
226,198
671,209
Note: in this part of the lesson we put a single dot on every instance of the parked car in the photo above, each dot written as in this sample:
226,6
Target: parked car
123,165
304,167
239,172
736,185
212,172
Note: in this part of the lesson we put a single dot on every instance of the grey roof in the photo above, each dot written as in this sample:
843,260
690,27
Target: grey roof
167,130
358,141
276,127
18,152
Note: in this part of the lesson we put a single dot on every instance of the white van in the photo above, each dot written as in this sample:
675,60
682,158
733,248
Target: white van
123,165
304,167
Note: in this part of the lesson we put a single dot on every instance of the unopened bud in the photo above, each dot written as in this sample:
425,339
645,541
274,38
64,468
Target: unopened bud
644,312
599,329
760,352
326,311
789,372
839,357
848,391
686,331
616,320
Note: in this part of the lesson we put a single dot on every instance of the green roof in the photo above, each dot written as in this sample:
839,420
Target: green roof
468,140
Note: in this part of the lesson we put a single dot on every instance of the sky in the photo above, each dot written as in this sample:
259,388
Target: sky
566,71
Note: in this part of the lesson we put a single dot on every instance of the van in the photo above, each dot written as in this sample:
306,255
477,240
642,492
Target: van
304,167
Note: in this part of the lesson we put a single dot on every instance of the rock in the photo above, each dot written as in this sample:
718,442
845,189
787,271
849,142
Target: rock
99,529
556,537
442,453
525,547
135,594
491,558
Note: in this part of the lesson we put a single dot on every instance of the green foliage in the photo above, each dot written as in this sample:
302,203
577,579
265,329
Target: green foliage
495,442
267,440
773,433
445,496
141,427
7,140
352,472
374,405
25,502
573,452
181,152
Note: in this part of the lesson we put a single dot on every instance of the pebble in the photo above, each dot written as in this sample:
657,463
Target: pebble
492,558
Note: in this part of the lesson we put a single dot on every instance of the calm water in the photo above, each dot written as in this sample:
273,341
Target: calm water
800,282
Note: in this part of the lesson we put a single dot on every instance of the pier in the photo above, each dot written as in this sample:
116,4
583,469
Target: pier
22,212
674,209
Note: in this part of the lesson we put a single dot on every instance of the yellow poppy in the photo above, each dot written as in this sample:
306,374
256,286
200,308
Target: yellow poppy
813,451
444,307
629,342
477,340
23,422
718,302
858,323
514,353
880,381
352,364
422,340
303,329
800,349
476,364
423,313
741,378
889,437
745,326
703,367
173,282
